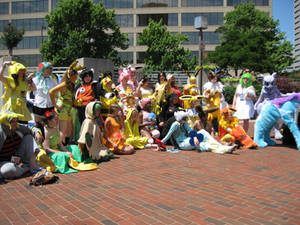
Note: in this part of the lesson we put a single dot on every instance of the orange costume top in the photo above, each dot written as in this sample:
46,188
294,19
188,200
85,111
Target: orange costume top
113,133
85,94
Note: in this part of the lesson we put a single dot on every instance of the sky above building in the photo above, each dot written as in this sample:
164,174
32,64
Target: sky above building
283,10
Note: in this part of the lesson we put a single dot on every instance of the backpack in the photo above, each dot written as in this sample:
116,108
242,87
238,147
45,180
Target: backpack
43,177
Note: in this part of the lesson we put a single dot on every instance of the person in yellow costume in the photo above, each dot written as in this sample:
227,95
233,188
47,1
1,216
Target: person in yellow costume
16,86
191,88
132,132
64,104
66,159
108,97
231,131
213,91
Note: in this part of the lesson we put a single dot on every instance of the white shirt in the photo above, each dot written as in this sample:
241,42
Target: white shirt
43,100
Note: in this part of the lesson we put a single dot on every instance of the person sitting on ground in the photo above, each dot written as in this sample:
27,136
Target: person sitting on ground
66,159
113,127
168,108
185,138
132,123
18,146
231,131
90,141
148,125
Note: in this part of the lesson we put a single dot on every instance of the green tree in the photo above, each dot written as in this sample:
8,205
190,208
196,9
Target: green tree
11,37
251,39
164,51
80,28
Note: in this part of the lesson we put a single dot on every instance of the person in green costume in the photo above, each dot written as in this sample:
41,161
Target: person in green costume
66,159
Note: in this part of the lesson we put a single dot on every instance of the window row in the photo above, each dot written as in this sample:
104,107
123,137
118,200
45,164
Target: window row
171,19
208,38
256,2
3,23
28,43
30,6
4,8
110,4
127,57
211,38
30,24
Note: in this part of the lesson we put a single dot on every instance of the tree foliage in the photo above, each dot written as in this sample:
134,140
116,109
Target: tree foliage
251,39
164,51
11,36
80,28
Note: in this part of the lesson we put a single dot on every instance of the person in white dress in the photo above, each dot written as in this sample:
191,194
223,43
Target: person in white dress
243,100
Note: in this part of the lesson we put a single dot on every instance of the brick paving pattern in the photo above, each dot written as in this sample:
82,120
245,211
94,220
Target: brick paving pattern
248,187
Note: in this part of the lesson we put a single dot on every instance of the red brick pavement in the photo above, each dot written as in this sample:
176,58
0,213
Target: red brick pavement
248,187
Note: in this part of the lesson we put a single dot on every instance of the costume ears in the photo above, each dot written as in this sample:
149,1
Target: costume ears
193,134
274,75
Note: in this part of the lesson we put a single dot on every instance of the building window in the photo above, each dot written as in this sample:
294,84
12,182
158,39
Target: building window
156,3
4,8
29,60
256,2
187,19
3,23
30,6
30,42
140,57
208,38
116,4
54,4
130,37
168,19
126,57
30,24
125,20
193,38
195,3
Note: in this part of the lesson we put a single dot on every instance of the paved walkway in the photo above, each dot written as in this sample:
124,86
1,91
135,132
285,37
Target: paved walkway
248,187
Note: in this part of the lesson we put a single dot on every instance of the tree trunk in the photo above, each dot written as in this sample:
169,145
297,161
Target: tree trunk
10,51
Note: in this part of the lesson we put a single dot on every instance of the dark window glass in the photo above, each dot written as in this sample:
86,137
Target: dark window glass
30,42
156,3
126,57
130,37
140,57
195,3
256,2
187,19
29,60
125,20
54,4
4,8
208,38
117,4
168,19
3,23
30,24
30,6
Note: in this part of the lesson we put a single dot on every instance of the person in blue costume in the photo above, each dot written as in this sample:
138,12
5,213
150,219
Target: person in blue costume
284,108
187,139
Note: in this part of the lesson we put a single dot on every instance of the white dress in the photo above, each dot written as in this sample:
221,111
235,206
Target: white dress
244,105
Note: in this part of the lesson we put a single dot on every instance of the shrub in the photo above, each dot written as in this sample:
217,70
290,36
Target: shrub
228,93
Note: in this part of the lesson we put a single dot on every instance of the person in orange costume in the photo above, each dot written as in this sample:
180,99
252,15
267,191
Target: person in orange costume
231,131
114,125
